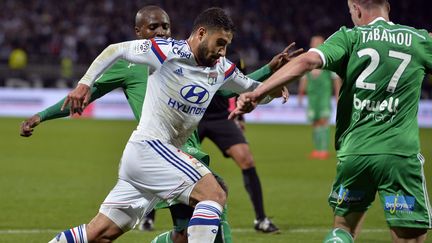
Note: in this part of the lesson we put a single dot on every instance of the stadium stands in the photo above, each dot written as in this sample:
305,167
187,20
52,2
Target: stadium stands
50,32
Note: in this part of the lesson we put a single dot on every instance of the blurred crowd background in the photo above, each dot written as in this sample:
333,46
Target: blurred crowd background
49,43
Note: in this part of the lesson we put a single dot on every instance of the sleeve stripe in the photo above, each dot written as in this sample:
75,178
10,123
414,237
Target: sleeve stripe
321,54
160,39
157,51
230,71
161,42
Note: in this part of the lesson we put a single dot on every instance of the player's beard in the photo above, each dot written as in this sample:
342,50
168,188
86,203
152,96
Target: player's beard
203,57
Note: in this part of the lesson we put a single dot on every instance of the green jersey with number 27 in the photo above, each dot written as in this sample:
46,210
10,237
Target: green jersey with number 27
383,65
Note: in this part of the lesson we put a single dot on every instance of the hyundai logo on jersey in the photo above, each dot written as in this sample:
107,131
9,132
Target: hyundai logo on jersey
194,94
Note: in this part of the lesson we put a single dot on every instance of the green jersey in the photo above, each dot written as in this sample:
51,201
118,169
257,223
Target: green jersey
382,65
132,78
319,88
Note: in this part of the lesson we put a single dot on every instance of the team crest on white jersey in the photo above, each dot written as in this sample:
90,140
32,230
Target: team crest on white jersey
212,78
144,47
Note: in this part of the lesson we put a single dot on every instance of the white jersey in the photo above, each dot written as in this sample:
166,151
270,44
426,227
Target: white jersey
178,92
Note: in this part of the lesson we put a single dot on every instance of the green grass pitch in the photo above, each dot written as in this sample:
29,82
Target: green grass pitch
58,178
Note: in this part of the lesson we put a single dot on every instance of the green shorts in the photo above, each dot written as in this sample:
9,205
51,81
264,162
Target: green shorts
399,181
317,110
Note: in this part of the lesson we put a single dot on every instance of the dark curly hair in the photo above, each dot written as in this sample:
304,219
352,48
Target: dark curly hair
213,18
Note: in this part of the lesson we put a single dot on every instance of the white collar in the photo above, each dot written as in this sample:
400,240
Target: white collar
380,18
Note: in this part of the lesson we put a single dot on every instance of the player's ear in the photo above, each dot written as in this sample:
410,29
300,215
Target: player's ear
388,7
357,10
137,32
201,32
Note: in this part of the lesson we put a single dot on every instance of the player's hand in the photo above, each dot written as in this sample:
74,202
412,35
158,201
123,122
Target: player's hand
285,56
77,99
280,93
285,94
26,129
246,103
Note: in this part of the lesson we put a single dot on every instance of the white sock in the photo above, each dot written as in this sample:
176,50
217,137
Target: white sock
74,235
204,223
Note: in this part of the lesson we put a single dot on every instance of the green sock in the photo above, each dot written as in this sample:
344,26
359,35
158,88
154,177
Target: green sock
163,238
338,235
324,138
316,137
224,232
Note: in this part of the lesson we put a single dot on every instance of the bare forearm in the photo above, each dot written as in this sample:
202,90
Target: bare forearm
290,72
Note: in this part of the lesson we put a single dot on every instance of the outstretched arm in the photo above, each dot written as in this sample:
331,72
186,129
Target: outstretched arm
52,112
55,111
276,62
285,75
112,79
267,70
138,51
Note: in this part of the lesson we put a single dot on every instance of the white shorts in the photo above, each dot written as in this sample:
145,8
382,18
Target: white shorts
150,171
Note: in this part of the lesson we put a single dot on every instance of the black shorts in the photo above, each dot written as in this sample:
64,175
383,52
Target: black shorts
224,133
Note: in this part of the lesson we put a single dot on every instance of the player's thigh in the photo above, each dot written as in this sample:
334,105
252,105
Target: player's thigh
402,190
207,188
162,169
126,205
352,190
225,133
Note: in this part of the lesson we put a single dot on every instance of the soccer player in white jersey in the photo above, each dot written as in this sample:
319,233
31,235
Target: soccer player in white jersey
187,74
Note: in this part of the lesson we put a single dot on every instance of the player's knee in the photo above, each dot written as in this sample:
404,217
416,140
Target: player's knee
409,233
220,196
179,237
207,189
247,163
242,156
222,184
101,233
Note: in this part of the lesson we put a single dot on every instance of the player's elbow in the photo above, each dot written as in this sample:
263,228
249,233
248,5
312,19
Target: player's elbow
310,61
114,50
